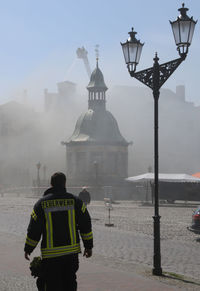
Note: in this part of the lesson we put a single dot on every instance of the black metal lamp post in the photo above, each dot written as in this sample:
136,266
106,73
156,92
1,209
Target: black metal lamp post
154,78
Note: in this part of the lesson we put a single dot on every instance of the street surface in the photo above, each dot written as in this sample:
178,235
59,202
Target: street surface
131,238
126,246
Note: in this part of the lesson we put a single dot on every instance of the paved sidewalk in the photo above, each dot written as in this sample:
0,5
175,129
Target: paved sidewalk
93,277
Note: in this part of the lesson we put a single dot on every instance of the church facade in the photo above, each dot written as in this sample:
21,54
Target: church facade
97,153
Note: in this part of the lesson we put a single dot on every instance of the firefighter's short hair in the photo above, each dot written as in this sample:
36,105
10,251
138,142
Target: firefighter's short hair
58,180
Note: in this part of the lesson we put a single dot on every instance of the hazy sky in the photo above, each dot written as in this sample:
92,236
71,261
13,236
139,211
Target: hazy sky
39,39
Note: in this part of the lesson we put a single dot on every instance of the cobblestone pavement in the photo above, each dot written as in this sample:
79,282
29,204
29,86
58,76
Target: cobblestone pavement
128,243
132,237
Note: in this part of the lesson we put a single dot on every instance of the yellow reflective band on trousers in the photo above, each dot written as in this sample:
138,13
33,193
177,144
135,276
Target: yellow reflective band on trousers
31,242
60,251
87,236
49,230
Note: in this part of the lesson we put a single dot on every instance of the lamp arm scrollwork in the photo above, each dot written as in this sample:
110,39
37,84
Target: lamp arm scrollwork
165,71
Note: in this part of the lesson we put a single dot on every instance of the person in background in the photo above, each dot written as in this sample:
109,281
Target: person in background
84,195
60,218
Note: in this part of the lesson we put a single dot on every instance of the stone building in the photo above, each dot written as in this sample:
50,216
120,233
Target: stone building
21,144
57,102
97,153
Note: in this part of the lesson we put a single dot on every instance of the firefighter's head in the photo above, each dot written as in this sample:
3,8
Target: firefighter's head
58,180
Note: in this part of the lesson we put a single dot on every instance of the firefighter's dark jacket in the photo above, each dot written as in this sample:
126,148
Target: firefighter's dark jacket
59,217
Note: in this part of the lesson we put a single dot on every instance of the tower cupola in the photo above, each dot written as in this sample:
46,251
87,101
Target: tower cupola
97,90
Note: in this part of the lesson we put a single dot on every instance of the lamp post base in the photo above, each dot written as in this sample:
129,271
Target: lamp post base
157,271
109,224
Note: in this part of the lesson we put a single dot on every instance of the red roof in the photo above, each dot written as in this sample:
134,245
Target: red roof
197,175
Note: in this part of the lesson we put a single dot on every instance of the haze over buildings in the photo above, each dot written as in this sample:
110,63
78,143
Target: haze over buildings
28,137
40,70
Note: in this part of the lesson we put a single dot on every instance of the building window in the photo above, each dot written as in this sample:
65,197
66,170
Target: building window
112,162
70,167
122,164
80,163
96,160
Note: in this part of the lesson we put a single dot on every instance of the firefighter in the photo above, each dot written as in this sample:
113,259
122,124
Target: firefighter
60,218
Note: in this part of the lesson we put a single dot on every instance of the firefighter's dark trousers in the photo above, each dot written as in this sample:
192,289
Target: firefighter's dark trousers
60,273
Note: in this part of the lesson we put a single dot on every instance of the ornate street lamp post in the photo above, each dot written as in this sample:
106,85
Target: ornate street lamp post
154,78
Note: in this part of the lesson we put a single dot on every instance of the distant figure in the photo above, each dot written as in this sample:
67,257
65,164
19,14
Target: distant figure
60,219
84,195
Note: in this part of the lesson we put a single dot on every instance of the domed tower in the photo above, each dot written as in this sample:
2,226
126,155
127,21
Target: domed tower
97,153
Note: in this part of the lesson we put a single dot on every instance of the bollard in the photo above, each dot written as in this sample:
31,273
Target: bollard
108,205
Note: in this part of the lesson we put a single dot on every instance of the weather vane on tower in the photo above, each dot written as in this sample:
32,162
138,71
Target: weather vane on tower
97,52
